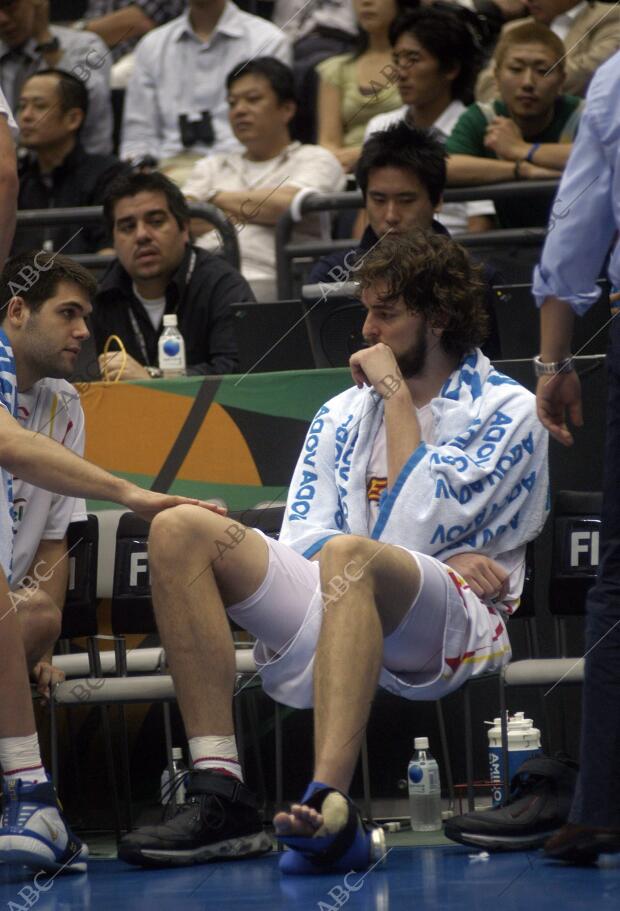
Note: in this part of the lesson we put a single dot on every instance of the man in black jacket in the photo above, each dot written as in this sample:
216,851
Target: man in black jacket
57,171
402,174
158,271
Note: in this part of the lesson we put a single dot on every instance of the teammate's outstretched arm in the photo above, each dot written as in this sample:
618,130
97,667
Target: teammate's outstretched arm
45,463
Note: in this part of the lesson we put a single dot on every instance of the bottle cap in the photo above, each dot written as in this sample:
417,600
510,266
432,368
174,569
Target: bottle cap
420,743
170,319
177,753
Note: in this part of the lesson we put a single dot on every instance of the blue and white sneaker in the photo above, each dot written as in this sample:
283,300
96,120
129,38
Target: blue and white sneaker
33,831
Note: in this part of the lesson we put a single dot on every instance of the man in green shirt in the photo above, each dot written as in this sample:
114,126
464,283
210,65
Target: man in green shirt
526,133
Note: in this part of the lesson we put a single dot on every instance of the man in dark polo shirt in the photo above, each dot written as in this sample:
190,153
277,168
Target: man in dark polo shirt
526,133
56,171
159,271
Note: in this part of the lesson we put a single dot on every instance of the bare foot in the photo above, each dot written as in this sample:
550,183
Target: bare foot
302,820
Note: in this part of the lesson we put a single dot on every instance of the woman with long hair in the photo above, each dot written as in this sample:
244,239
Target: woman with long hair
355,87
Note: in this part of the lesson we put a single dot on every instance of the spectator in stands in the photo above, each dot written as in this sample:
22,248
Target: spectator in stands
318,30
175,108
256,186
491,16
355,87
159,271
525,134
576,249
46,404
120,23
397,566
28,43
52,309
589,30
57,171
9,183
436,59
402,175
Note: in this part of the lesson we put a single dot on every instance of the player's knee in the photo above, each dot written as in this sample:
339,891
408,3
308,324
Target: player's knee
42,618
172,529
348,552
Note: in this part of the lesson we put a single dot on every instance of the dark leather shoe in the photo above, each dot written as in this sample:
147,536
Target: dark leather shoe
578,844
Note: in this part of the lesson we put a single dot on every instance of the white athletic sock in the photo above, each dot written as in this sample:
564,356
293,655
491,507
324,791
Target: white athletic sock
20,758
216,753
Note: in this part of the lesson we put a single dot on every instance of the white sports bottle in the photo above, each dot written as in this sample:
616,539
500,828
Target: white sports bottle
424,789
523,743
171,348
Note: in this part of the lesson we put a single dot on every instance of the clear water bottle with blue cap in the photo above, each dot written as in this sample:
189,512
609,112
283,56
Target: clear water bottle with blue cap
424,789
171,348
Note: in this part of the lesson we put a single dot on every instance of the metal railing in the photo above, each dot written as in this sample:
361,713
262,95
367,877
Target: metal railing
84,215
286,251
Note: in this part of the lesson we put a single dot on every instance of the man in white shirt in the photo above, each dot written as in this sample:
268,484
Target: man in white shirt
45,302
256,186
175,108
590,31
50,406
47,404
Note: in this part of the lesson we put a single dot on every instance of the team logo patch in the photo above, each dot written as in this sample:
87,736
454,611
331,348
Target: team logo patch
375,487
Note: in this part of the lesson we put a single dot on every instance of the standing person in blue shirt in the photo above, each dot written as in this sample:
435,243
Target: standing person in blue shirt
565,285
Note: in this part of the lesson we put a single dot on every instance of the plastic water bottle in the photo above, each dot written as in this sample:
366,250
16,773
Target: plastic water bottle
171,348
523,743
424,789
174,789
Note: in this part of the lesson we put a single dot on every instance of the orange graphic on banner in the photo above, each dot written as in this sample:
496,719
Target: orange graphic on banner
131,429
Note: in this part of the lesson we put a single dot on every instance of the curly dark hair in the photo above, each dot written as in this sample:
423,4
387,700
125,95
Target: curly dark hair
436,278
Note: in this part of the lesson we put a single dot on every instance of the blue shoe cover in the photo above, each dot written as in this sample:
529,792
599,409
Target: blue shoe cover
344,844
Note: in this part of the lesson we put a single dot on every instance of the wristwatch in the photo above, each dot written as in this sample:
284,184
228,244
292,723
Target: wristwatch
552,367
154,372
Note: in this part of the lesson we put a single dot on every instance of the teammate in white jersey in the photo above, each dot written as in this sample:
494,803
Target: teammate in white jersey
50,406
44,302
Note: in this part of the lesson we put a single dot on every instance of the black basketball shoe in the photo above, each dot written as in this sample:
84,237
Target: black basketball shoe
541,793
220,820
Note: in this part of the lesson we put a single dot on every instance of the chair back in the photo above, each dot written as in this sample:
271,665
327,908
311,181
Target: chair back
132,610
79,616
576,534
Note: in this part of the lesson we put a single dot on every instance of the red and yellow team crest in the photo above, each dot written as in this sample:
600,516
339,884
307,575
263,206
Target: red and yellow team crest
375,488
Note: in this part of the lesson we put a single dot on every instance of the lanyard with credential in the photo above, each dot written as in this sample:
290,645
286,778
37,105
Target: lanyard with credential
137,331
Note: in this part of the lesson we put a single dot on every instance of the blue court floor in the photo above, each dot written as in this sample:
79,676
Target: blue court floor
412,878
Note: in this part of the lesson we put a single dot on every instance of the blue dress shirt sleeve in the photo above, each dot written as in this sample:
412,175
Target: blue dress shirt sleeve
585,215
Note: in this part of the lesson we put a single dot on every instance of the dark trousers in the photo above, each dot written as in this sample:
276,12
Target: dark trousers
597,798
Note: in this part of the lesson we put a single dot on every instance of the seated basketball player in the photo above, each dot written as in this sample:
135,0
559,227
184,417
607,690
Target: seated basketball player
401,556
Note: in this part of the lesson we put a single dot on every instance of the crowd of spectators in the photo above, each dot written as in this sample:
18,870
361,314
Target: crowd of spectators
251,115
